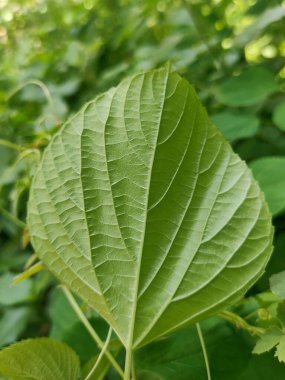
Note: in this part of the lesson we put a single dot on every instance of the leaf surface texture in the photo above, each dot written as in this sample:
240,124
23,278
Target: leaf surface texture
143,209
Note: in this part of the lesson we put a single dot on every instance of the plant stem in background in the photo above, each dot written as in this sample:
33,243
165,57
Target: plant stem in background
34,269
90,329
102,353
35,82
134,377
239,322
11,145
201,338
12,218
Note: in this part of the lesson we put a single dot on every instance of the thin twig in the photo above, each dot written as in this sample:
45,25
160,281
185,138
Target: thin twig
102,353
201,338
90,329
35,82
239,322
28,273
12,218
11,145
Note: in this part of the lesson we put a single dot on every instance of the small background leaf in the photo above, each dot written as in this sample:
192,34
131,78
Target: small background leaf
41,359
277,284
236,125
281,312
270,174
279,115
280,350
12,323
250,87
267,341
13,294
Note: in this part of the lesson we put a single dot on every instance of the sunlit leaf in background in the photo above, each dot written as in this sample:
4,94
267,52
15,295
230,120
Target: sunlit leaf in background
277,284
268,341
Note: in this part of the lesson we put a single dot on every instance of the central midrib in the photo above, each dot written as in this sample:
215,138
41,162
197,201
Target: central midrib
133,316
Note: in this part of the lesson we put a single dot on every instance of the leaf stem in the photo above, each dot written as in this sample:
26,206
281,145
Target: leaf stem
134,377
128,364
239,322
90,329
11,145
28,273
35,82
102,353
12,217
201,338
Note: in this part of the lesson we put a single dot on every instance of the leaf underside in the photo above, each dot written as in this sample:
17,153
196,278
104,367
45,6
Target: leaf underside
141,207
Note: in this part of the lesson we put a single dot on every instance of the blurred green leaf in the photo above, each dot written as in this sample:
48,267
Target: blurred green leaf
270,174
180,356
281,312
280,350
251,87
277,284
267,341
279,116
14,294
236,125
12,324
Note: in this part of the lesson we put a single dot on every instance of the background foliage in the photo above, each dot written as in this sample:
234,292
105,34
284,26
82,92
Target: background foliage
56,55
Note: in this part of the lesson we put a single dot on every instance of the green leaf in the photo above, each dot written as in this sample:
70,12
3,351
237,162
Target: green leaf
235,125
280,350
13,294
281,312
270,174
180,357
267,341
12,324
41,359
277,284
279,115
142,208
250,87
147,375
